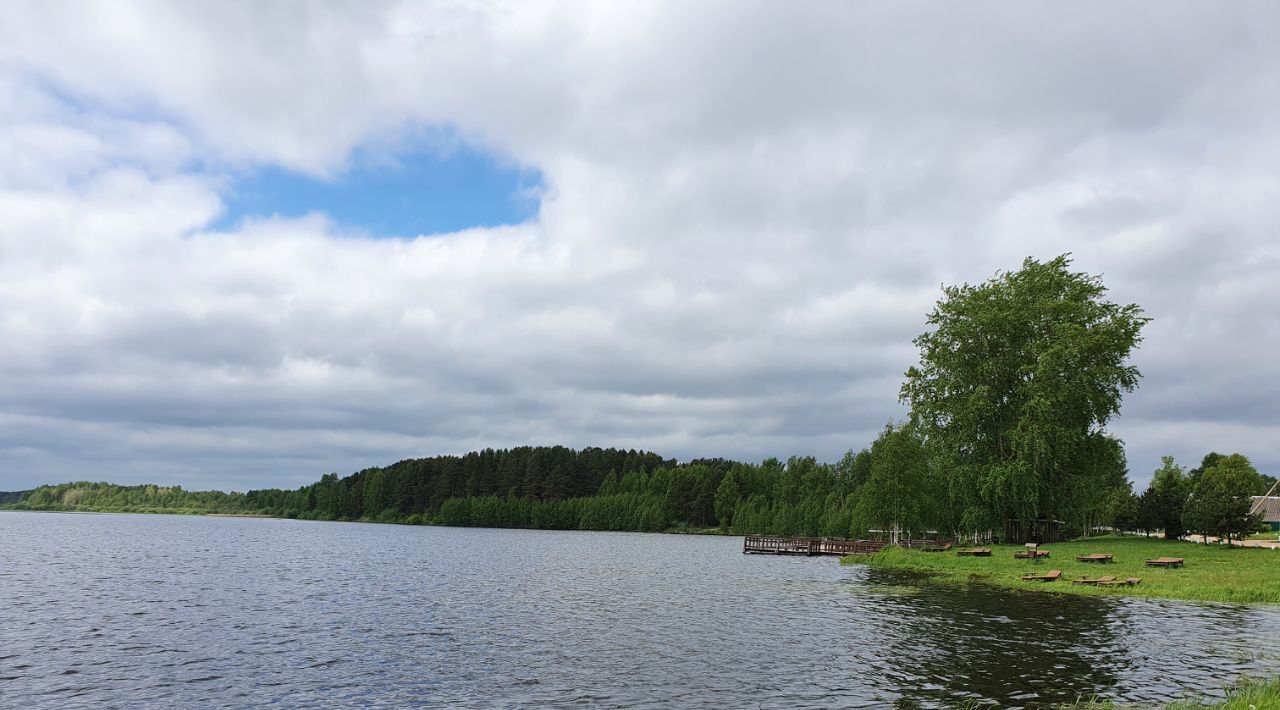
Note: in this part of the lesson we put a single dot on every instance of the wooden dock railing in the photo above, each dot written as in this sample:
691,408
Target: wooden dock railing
810,546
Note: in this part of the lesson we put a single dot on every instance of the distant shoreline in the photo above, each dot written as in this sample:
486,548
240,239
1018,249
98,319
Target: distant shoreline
711,532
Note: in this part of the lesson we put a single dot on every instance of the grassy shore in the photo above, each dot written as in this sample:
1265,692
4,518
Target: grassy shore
1211,573
1250,695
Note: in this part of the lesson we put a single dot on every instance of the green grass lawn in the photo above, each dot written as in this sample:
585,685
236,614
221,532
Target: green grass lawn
1256,695
1211,573
1251,695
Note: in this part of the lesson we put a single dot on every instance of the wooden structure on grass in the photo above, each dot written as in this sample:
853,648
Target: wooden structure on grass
1268,507
1108,581
809,546
1095,581
1165,562
1130,582
1040,530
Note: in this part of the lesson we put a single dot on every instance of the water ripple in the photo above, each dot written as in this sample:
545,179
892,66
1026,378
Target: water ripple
142,610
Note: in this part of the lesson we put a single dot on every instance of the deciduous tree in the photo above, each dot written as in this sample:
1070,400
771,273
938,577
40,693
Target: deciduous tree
1018,377
1219,501
897,494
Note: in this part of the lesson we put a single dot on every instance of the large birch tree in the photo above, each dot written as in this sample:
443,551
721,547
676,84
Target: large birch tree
1017,379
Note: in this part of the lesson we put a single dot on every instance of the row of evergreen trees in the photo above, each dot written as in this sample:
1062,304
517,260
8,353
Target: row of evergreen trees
893,483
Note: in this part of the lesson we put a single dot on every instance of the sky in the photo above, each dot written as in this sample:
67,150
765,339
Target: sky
243,244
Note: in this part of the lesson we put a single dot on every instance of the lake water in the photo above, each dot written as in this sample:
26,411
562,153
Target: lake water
134,610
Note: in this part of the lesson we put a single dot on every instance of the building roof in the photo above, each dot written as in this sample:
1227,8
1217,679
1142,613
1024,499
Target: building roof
1270,507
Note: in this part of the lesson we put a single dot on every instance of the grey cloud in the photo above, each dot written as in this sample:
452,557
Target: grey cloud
749,211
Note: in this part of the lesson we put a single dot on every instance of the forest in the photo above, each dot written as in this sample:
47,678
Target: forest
610,489
529,487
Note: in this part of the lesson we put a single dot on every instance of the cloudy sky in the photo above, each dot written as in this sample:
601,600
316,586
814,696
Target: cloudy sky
246,243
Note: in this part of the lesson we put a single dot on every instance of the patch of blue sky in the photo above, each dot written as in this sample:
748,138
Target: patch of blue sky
440,184
423,192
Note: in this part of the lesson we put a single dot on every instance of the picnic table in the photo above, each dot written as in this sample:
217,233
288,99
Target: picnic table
1099,557
1165,562
975,552
1050,576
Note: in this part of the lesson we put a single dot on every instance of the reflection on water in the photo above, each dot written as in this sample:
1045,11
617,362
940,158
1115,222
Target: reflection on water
157,609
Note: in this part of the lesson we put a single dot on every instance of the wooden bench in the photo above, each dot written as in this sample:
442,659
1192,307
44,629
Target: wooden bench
1165,562
1050,576
1095,557
1031,554
975,552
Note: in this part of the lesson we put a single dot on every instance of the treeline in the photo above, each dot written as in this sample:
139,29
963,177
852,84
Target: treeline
591,489
798,497
893,483
421,487
109,497
1213,499
534,487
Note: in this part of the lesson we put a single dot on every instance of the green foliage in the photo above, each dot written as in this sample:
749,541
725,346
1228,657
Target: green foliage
374,494
109,497
622,511
726,499
1209,461
898,493
609,486
543,487
1162,503
1247,695
1123,509
1017,378
1219,502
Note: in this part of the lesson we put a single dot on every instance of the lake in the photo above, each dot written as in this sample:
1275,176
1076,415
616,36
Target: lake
132,610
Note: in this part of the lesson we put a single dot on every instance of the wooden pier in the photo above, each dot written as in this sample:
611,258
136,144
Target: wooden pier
809,546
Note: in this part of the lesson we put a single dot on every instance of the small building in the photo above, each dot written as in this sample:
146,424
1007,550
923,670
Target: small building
1269,508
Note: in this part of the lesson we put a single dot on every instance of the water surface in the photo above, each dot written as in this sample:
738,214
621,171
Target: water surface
129,610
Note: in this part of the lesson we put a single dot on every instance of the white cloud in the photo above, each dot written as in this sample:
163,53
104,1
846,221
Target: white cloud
749,210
